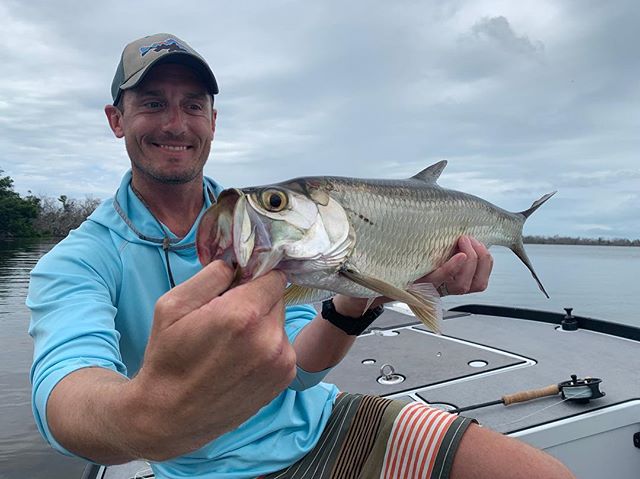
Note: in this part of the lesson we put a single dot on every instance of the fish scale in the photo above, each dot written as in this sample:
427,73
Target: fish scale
414,227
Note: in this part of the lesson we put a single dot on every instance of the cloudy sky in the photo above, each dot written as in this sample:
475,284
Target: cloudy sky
521,97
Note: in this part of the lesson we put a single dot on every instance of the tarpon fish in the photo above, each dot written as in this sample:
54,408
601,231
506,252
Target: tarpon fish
359,237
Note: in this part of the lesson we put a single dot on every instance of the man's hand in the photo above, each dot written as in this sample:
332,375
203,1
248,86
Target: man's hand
213,359
467,271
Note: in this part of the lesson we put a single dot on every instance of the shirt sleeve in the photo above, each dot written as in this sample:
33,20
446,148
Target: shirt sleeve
297,317
72,302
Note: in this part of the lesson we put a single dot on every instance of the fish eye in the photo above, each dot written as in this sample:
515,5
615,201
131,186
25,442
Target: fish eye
274,200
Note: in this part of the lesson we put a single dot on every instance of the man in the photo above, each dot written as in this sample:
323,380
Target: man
203,381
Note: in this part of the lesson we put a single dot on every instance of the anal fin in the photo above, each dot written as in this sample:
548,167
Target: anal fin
296,294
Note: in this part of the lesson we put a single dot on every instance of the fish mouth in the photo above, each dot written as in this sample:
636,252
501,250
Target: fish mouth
232,231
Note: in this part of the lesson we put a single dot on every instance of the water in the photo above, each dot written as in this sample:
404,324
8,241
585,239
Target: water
597,281
23,454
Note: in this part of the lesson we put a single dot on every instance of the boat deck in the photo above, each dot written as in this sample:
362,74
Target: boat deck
509,355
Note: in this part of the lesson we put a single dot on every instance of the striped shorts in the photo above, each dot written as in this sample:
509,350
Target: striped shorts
372,437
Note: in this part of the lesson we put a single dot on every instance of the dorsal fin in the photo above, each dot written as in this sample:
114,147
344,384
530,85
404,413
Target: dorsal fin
431,173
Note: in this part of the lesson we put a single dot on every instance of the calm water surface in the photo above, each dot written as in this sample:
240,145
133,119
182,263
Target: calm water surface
23,454
597,281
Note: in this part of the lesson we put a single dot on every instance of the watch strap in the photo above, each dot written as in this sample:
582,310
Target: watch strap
351,326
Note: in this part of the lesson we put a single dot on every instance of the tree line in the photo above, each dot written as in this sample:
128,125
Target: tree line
39,216
581,241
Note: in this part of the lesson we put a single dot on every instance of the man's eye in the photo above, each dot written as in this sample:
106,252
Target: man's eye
195,107
153,104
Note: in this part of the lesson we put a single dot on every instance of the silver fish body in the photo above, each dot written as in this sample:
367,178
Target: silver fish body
358,237
404,229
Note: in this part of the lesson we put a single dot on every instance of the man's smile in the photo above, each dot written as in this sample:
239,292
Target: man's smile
172,147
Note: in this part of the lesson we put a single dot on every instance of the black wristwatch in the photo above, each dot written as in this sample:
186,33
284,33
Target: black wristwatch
351,326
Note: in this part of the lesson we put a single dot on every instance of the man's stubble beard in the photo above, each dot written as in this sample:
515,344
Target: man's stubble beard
178,179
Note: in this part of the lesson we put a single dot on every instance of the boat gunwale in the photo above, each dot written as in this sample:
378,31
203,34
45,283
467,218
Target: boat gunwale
584,322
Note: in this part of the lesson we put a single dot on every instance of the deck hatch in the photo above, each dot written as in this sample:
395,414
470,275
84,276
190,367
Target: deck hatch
443,359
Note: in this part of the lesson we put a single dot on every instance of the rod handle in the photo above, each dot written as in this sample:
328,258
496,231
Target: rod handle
529,395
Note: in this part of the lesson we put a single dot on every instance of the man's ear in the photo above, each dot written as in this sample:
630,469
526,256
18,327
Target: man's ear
214,116
114,117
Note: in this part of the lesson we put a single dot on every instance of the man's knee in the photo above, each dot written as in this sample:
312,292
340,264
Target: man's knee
484,453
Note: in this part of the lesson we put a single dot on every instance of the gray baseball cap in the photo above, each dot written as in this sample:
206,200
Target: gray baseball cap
139,56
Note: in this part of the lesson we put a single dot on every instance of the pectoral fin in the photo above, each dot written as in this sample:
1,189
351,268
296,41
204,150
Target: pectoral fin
423,300
295,294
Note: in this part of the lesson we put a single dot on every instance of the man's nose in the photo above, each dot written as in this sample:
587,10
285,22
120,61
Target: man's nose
174,120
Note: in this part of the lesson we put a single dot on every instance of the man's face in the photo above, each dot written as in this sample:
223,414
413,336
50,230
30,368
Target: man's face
168,123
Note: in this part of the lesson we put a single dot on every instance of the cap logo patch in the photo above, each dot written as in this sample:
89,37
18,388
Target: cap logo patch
170,44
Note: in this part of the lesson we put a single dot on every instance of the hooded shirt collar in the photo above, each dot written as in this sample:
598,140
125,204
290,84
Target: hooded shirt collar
140,222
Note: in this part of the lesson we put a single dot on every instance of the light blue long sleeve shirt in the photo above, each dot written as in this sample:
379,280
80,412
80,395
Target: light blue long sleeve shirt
92,299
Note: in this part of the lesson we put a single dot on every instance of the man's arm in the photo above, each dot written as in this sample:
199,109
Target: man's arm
321,345
198,333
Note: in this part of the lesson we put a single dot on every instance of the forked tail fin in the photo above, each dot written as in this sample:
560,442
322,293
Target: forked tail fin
537,204
518,247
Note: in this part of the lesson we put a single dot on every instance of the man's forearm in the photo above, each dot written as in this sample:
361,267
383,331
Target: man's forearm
91,414
321,345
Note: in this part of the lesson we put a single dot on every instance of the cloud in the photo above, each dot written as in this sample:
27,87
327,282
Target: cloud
499,33
522,98
601,177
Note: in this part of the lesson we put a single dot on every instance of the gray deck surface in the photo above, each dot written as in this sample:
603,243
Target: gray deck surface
556,355
423,359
